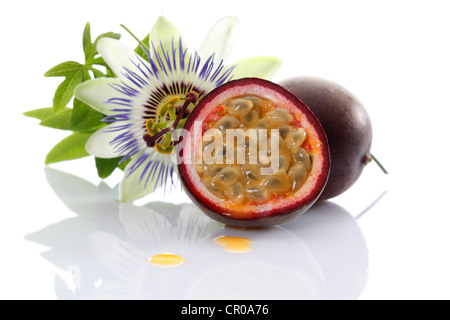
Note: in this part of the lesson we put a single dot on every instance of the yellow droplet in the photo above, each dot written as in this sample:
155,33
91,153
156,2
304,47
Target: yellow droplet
234,244
166,260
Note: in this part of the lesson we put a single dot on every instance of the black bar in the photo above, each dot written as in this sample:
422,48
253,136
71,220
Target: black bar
226,309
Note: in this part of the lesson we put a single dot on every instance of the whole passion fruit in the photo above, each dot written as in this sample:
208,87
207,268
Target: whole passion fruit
347,126
253,155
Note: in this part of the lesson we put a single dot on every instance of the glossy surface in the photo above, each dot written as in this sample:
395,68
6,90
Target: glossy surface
112,242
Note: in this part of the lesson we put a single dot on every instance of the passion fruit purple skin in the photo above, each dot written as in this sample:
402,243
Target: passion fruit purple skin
286,209
346,124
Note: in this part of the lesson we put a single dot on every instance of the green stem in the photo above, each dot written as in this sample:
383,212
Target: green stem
146,47
378,163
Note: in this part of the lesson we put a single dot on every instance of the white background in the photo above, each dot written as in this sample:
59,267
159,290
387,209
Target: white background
393,55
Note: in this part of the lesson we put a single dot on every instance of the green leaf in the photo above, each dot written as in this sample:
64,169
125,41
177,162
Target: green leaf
64,93
90,53
85,118
60,120
105,167
80,118
124,164
40,114
65,69
88,47
110,73
86,75
97,73
99,61
72,147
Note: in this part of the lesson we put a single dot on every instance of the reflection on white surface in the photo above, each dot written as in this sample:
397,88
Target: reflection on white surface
105,251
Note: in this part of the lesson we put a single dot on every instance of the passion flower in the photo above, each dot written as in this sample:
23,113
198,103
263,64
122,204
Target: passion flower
253,154
150,100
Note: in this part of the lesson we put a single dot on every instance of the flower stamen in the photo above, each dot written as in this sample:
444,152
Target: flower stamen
149,125
164,150
191,97
154,136
165,108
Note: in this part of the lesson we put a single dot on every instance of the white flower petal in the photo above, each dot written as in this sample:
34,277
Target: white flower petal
97,92
220,39
118,56
163,32
99,144
132,186
259,67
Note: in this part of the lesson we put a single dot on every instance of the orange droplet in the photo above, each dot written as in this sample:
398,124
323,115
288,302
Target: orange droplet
166,260
234,244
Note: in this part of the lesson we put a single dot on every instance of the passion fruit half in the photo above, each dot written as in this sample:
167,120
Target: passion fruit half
253,154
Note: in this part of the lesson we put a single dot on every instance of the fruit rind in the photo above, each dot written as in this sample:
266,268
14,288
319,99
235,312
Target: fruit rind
346,123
